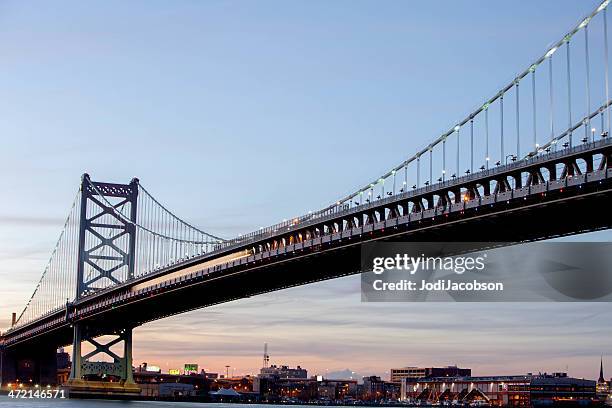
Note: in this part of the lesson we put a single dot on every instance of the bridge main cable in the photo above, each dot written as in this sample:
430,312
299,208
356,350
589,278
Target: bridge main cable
151,231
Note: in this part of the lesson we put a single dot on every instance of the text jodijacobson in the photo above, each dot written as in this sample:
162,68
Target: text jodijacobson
438,285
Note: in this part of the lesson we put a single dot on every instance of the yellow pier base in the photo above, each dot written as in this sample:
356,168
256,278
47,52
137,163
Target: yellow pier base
83,388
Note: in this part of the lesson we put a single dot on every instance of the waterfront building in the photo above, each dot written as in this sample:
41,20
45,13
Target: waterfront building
63,366
603,386
398,374
376,389
515,390
157,384
275,371
274,389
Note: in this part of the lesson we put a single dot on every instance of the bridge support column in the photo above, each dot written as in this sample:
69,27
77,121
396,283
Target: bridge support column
89,376
107,243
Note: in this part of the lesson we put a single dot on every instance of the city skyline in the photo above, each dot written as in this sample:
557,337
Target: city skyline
532,342
309,112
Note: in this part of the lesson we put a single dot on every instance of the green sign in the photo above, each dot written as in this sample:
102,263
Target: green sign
191,368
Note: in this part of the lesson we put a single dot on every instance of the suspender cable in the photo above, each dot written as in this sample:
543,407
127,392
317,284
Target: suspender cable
588,86
487,158
443,159
533,103
518,137
569,93
551,98
431,166
457,129
501,109
605,27
472,145
419,171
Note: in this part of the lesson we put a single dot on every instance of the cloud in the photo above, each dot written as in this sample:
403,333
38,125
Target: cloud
30,221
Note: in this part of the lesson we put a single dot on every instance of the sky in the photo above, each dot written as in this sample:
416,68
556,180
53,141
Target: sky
238,114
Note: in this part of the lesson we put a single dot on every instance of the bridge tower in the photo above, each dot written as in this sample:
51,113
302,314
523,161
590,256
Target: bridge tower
106,256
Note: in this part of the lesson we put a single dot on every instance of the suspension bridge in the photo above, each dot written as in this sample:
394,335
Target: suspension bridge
531,162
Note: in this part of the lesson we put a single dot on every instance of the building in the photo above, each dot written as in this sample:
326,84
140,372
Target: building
275,371
376,389
155,384
398,374
603,386
516,390
63,366
275,389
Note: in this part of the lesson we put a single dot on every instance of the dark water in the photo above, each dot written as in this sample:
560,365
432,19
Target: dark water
6,402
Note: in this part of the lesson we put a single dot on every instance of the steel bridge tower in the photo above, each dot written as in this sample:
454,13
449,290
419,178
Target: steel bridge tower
106,255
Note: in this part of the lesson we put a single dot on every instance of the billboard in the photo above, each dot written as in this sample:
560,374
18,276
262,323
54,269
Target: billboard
191,368
174,371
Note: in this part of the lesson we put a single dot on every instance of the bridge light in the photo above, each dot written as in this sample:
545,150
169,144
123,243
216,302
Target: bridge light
584,22
488,158
603,5
457,128
550,52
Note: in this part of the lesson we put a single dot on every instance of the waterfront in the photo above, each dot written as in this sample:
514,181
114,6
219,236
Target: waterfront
7,402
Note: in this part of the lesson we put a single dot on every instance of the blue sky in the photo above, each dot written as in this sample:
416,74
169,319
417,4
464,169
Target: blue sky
238,114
